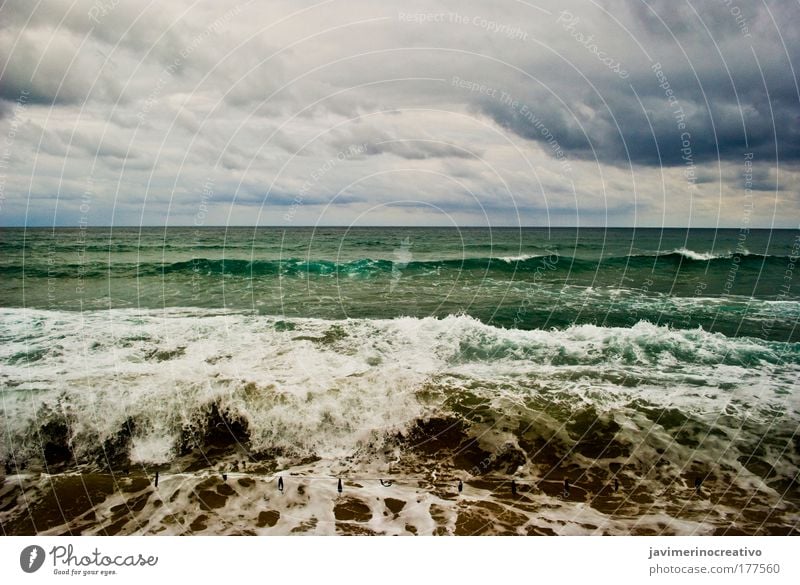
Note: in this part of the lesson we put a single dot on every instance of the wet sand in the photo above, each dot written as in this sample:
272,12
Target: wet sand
218,486
105,504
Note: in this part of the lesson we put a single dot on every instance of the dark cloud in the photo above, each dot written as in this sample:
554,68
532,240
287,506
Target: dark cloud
723,119
732,93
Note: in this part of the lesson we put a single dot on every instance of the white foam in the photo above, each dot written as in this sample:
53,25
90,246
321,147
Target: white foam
692,255
334,389
334,398
520,258
157,449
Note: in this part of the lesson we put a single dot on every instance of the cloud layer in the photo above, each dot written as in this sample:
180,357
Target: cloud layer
415,113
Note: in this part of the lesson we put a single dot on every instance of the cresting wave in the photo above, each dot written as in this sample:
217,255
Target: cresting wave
368,267
153,385
421,401
705,256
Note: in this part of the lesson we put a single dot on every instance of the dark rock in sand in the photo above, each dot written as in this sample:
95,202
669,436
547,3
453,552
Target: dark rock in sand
306,526
225,490
268,518
199,523
472,523
211,500
137,504
395,506
346,529
351,509
208,494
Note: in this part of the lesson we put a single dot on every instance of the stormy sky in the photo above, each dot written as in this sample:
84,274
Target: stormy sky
287,113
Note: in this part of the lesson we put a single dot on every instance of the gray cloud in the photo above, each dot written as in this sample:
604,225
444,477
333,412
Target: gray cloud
148,102
734,93
366,140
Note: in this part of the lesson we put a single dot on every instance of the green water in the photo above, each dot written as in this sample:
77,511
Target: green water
728,281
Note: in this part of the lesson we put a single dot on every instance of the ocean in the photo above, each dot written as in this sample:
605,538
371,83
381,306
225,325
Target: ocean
384,380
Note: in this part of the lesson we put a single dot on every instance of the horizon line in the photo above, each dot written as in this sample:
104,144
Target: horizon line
326,226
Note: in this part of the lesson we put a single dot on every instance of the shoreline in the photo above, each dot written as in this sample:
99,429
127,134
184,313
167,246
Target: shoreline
213,502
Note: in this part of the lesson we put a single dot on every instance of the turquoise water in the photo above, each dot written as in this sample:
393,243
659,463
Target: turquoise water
728,281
